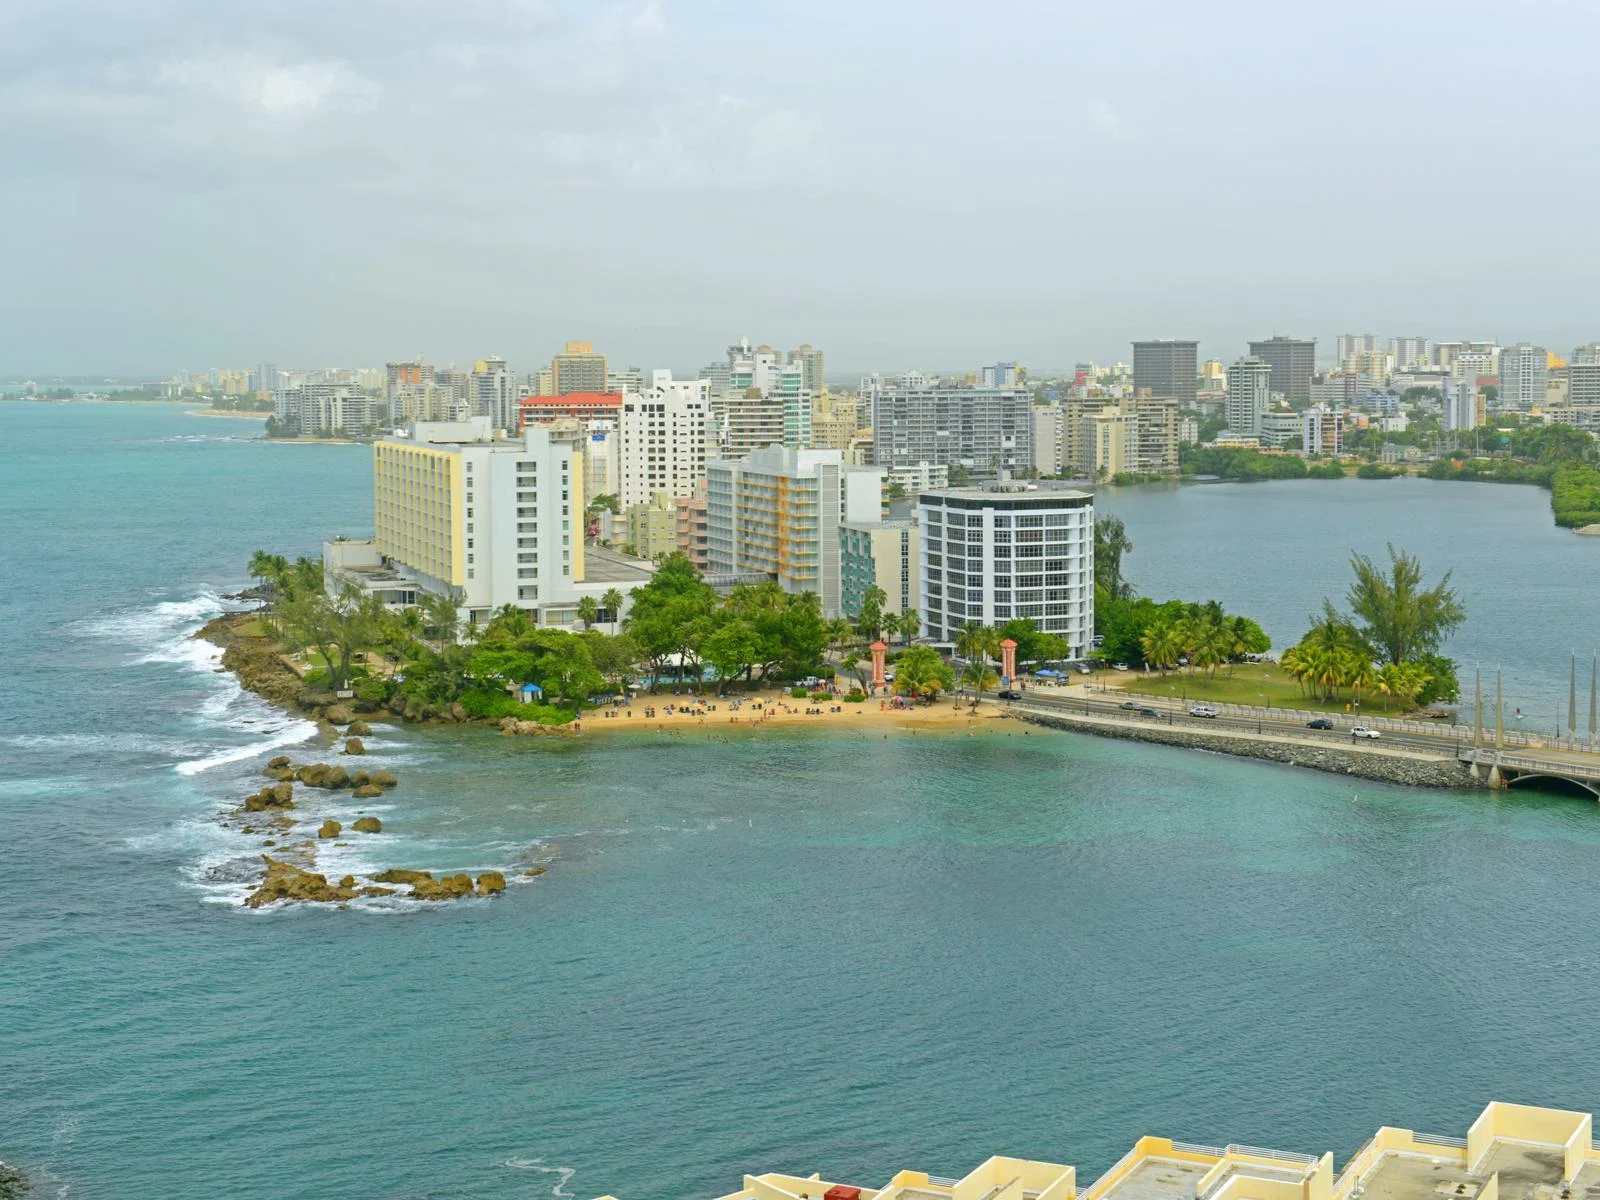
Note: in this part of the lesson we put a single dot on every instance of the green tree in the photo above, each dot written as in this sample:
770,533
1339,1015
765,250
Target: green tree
1111,542
869,623
339,628
1401,619
588,611
919,672
909,625
733,649
613,600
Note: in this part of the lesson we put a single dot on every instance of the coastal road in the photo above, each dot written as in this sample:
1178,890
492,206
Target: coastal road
1449,741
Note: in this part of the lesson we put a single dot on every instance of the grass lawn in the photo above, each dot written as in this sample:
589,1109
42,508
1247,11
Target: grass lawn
1249,683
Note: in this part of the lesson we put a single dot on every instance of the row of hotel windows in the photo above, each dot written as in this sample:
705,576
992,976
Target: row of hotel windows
1077,516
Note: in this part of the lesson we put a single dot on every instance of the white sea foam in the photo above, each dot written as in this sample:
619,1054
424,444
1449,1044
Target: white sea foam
104,743
291,735
153,624
563,1174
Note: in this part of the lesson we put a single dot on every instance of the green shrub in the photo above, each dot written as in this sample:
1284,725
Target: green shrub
373,690
822,695
855,697
490,702
798,693
1370,470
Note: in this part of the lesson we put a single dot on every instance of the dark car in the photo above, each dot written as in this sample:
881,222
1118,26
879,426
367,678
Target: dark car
1008,694
1131,705
1149,712
1319,723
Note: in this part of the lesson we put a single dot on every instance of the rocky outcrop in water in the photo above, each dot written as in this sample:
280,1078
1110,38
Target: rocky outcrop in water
354,745
367,791
13,1183
491,883
338,714
512,727
368,825
401,875
359,729
330,829
285,881
451,887
278,796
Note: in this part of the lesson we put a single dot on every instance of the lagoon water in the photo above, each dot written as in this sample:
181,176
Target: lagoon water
799,951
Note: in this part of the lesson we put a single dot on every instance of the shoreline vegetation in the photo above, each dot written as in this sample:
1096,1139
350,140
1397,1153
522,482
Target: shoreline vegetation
1559,458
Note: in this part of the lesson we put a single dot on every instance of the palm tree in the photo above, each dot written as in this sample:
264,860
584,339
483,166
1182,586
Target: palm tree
980,678
442,617
261,567
1162,645
910,624
613,603
588,611
839,632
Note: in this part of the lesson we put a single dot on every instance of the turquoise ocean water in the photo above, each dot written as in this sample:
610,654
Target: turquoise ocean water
803,952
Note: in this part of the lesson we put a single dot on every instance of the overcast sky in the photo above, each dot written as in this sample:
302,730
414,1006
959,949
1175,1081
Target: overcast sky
198,183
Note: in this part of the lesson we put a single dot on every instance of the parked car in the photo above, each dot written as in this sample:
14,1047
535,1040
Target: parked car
1131,705
1361,731
1119,666
1203,710
1083,670
1149,712
1319,723
1008,694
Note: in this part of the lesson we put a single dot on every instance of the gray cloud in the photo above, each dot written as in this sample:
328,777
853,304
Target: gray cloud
194,182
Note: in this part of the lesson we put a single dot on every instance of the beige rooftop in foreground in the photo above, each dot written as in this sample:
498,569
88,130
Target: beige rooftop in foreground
1512,1152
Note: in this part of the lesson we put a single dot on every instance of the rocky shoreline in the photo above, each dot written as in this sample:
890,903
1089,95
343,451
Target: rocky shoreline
289,869
257,662
13,1183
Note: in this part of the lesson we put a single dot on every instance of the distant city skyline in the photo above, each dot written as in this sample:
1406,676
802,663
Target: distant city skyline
687,362
909,185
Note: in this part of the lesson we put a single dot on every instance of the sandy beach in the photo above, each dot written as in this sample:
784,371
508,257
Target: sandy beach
771,710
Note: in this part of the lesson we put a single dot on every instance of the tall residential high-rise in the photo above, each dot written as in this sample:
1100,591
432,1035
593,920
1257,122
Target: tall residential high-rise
1292,360
1586,355
1003,374
265,378
777,512
494,393
1410,352
663,435
1524,369
1167,368
991,555
1463,406
577,369
811,362
1047,438
1104,436
754,384
1583,384
1322,430
462,511
1351,344
1249,395
918,418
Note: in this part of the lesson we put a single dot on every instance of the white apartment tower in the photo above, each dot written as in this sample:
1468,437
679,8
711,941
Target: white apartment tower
1249,396
1524,372
661,439
991,555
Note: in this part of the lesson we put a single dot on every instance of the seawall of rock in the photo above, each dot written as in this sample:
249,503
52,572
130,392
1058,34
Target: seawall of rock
1408,770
